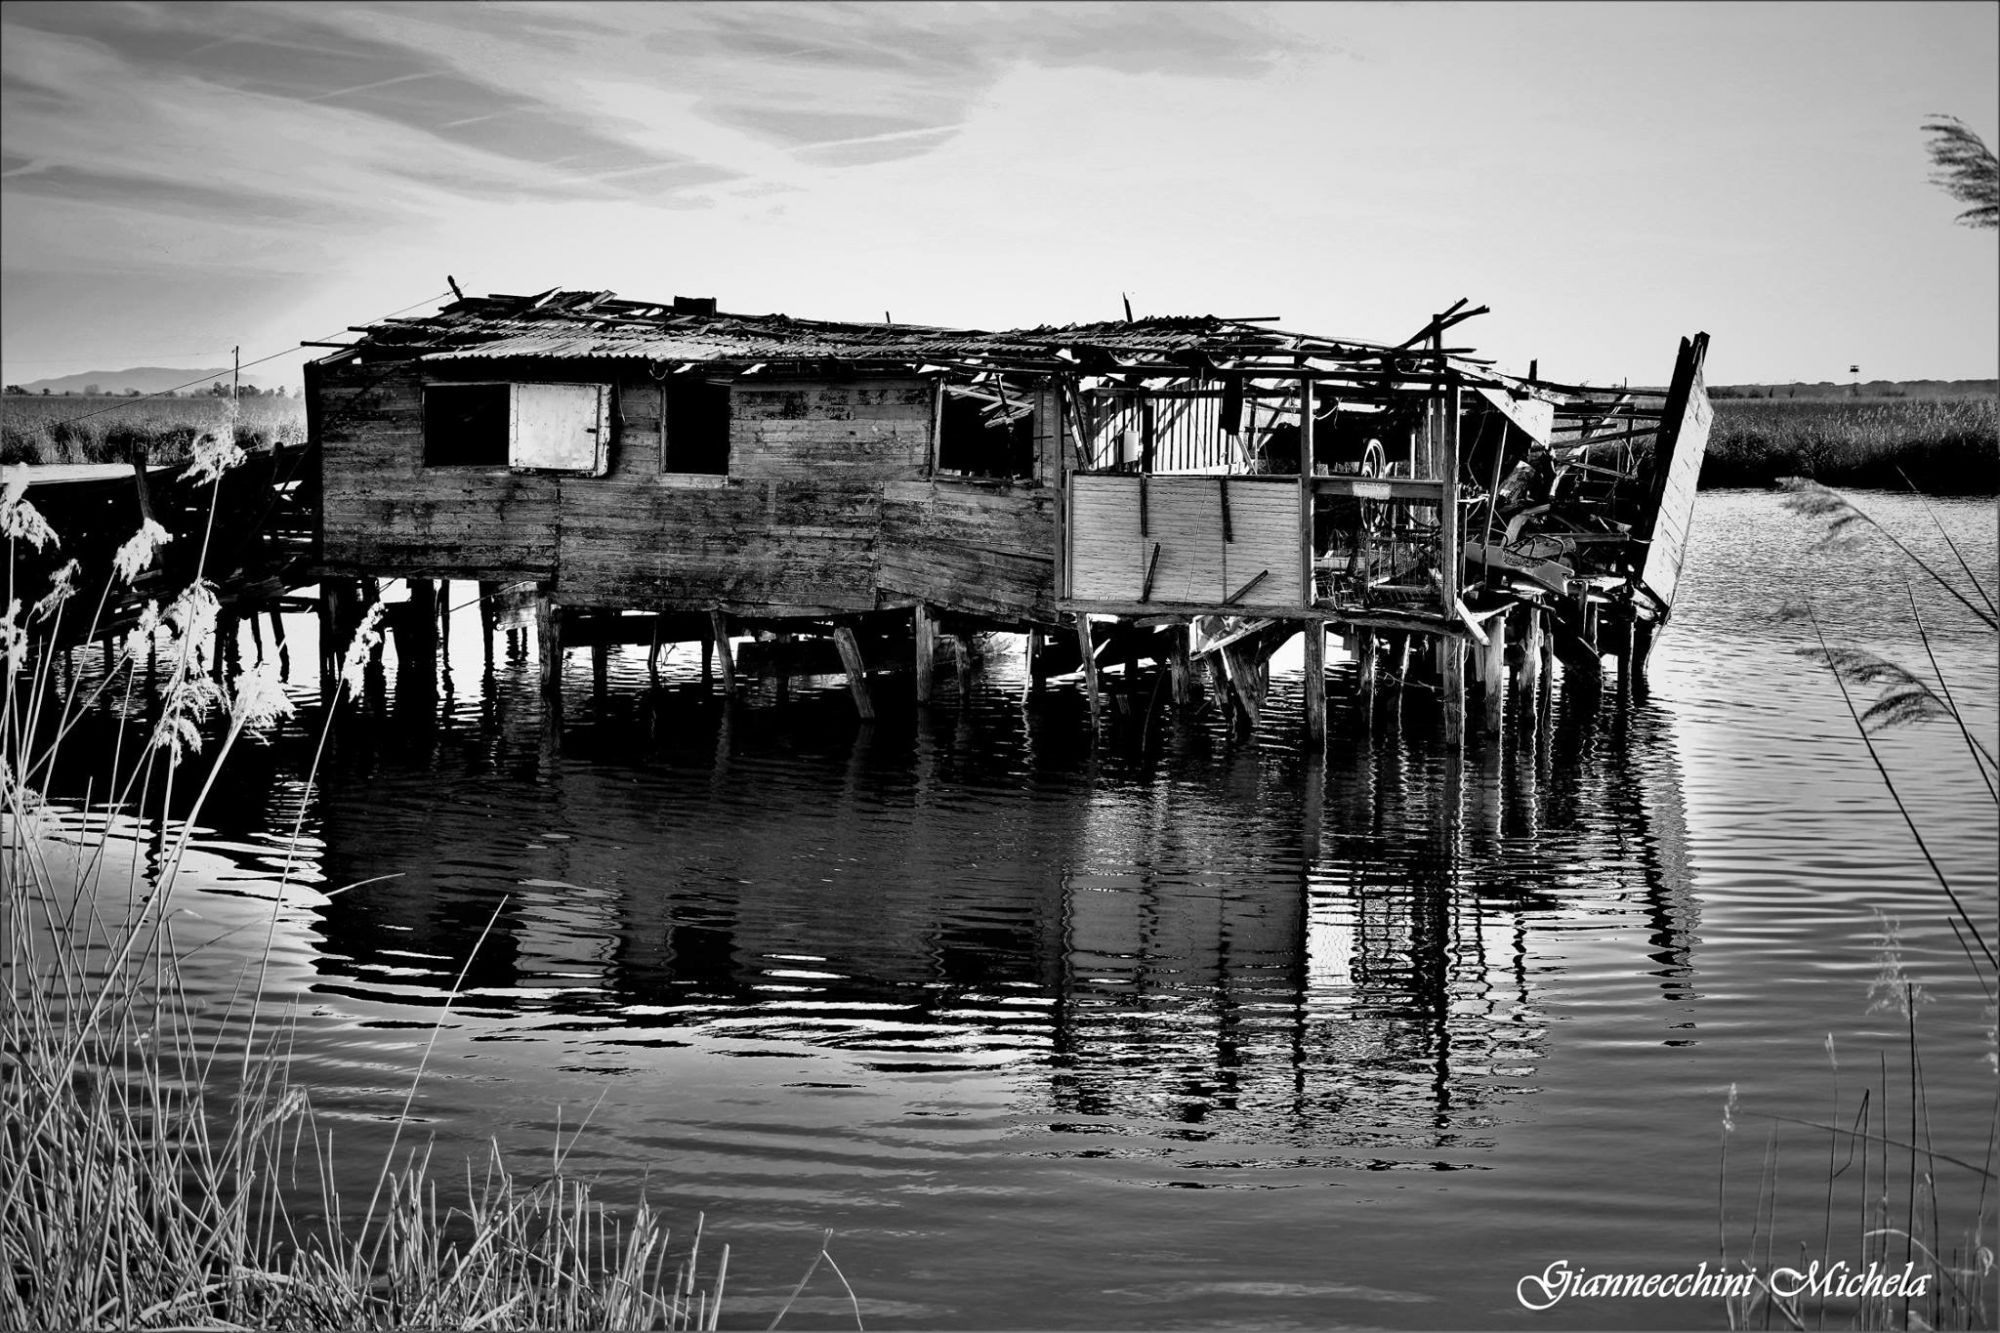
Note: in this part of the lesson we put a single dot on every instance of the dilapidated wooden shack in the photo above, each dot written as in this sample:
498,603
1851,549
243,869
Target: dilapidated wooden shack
1190,488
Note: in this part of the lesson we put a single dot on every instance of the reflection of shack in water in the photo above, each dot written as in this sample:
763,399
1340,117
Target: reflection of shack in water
1184,947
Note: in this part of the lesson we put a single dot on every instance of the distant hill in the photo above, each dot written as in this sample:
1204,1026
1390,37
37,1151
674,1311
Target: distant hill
149,379
1869,389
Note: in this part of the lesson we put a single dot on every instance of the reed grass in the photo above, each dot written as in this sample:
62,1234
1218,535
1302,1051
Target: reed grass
1884,1177
1940,446
152,1176
114,430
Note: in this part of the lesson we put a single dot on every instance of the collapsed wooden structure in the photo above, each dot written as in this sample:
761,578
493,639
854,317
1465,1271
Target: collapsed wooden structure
1174,490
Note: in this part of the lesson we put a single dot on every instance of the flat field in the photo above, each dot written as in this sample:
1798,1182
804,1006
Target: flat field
51,429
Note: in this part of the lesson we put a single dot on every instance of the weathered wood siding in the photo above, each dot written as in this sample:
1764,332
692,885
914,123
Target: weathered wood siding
870,431
983,548
385,513
794,527
1109,553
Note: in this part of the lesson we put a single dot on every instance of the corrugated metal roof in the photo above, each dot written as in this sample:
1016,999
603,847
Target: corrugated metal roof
595,325
568,345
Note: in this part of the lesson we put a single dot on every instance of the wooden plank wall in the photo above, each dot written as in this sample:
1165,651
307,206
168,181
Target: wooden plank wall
798,526
983,548
840,433
1110,555
385,514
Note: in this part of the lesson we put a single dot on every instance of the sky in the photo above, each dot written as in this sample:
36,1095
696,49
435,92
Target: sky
178,179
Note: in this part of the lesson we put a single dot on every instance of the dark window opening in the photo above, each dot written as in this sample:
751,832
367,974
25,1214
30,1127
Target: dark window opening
465,425
985,435
697,427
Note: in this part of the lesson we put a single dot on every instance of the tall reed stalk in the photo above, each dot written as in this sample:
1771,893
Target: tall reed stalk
152,1176
1883,1167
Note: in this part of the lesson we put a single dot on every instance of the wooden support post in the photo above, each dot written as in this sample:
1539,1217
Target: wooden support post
548,630
284,648
708,661
330,647
1621,642
718,634
1245,680
779,662
1179,665
1315,694
444,623
1546,675
857,671
1642,652
653,654
256,637
1528,685
489,613
1306,552
923,628
1218,680
1495,674
1088,648
1451,687
1364,665
1031,647
1449,568
600,671
962,661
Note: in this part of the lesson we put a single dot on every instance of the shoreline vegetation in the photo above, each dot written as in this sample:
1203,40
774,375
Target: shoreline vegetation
163,1169
1940,446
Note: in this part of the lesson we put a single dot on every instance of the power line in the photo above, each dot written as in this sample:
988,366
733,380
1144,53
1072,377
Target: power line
124,403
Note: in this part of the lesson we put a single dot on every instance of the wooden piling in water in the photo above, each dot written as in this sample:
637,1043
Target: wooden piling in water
600,672
489,614
1527,682
1494,674
923,629
548,633
1088,648
857,671
1451,686
1181,669
1315,691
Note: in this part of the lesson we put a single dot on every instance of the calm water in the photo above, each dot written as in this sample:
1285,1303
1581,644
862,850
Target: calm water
1061,1039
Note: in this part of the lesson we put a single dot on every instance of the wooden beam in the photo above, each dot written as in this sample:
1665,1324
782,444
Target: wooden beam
1179,664
1494,676
923,629
718,634
1306,552
1420,490
857,671
548,628
1088,649
1528,685
1451,689
1450,572
1315,692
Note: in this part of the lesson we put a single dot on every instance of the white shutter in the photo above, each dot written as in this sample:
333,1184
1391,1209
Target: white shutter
560,428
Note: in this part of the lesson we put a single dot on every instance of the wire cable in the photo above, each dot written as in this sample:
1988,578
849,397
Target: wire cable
124,403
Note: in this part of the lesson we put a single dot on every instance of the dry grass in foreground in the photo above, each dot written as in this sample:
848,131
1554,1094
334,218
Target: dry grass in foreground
150,1175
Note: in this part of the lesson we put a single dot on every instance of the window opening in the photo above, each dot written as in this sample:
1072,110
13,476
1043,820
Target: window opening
697,435
986,434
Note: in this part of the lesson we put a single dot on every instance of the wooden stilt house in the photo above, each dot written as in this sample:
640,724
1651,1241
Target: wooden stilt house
1221,480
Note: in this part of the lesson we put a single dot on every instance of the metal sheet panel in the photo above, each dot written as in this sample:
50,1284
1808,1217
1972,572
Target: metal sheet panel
559,428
